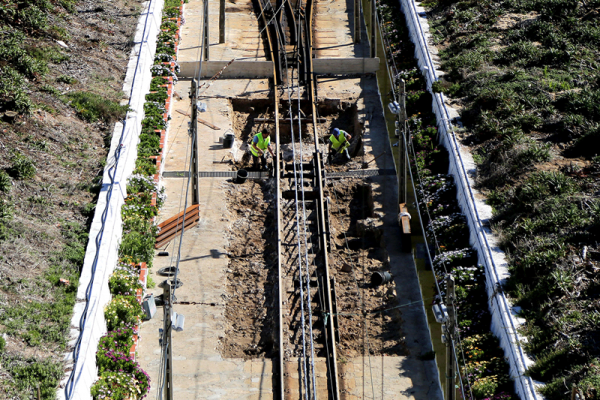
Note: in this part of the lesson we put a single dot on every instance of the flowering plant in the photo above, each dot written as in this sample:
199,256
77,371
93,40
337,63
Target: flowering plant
116,386
122,311
118,340
484,387
124,281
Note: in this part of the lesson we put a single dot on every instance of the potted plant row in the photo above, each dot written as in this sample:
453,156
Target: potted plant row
120,375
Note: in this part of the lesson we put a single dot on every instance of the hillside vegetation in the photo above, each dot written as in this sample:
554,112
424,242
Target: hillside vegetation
62,64
525,76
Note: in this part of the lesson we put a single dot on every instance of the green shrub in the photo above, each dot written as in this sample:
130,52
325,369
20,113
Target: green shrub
118,386
2,344
449,88
52,54
13,52
5,182
66,79
149,145
93,107
139,236
119,340
13,94
145,166
124,282
30,373
122,312
22,167
485,387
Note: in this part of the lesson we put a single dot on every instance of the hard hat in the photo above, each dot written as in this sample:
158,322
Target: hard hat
336,132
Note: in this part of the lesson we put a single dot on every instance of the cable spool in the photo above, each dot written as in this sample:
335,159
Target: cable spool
168,271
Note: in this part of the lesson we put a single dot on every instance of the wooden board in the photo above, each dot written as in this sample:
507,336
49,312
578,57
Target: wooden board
216,128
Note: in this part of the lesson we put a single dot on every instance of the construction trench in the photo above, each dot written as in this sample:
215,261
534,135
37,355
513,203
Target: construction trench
294,283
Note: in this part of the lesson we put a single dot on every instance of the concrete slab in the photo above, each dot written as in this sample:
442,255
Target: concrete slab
200,371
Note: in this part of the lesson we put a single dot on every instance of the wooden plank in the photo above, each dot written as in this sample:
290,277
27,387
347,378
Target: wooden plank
167,240
178,222
173,218
216,128
183,112
238,69
174,231
406,236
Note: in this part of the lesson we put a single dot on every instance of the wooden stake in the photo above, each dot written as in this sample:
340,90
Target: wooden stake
222,21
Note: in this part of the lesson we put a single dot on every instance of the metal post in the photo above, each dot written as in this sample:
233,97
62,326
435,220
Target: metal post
402,183
222,21
450,326
205,40
194,135
168,387
373,28
356,21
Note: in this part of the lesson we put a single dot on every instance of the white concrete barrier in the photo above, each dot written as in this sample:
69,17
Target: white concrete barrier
106,231
462,167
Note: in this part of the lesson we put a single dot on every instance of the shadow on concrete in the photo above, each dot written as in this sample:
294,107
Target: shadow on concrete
214,253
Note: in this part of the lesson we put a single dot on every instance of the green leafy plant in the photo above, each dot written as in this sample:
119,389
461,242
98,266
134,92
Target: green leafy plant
145,166
22,167
29,373
13,94
5,182
119,340
485,387
93,107
122,312
118,386
139,236
124,282
66,79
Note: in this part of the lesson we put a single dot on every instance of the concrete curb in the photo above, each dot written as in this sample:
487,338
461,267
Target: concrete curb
124,147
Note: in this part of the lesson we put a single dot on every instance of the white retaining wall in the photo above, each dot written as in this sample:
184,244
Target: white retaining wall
106,231
462,167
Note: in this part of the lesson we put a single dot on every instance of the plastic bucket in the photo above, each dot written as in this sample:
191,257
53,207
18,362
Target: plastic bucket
241,176
228,140
379,278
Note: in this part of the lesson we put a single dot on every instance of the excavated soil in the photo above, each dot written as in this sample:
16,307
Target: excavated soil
251,292
368,321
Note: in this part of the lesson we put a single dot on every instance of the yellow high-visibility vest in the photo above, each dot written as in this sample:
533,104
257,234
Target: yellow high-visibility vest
262,144
340,143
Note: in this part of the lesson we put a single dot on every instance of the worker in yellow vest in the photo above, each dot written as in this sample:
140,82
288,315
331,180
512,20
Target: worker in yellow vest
261,142
339,141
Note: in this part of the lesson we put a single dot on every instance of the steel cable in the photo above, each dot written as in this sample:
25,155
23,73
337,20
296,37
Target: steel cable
300,270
